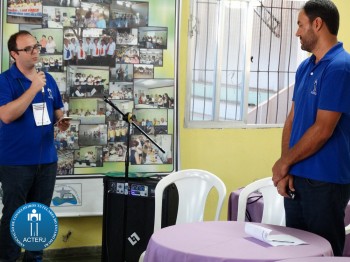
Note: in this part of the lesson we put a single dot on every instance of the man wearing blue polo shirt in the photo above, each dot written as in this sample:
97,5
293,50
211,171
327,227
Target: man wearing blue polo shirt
30,105
315,159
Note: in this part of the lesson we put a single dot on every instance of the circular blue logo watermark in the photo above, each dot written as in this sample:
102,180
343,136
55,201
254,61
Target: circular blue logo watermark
34,226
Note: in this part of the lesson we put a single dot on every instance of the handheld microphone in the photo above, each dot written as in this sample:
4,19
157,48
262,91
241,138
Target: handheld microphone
38,67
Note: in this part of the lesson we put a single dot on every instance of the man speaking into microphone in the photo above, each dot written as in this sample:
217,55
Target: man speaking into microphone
30,106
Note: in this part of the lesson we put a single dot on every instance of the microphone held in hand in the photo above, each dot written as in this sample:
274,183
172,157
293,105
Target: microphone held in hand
38,67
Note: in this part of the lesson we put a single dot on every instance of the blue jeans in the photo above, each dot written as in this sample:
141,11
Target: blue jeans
319,207
20,185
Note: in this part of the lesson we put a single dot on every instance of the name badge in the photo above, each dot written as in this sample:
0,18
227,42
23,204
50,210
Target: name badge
41,114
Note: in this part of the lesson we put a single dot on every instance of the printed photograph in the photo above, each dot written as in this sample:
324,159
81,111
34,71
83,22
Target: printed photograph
88,111
153,37
63,3
89,46
124,106
114,152
61,81
152,121
24,12
51,40
50,63
65,164
151,57
67,140
127,54
92,135
58,17
128,14
121,90
144,152
154,93
88,81
90,156
143,71
122,73
92,15
127,36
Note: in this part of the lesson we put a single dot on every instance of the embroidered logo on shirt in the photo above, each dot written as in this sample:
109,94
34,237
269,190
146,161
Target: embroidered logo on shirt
314,90
50,93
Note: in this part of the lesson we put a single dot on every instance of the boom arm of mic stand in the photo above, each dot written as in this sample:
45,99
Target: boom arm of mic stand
128,118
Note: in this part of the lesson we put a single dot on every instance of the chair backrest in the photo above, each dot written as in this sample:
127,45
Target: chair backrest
193,186
347,230
273,212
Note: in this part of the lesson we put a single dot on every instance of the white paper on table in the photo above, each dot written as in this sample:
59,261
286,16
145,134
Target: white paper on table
264,235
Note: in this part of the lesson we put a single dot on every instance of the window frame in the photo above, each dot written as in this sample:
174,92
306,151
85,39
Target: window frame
216,123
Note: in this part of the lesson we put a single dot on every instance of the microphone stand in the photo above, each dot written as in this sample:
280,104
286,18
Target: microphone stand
128,118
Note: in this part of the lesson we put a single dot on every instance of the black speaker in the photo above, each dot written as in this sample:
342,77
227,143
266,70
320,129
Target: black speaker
128,216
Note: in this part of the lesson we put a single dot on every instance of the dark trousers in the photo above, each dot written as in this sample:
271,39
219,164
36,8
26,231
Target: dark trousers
319,207
20,185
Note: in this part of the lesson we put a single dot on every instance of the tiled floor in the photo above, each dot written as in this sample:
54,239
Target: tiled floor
74,259
81,254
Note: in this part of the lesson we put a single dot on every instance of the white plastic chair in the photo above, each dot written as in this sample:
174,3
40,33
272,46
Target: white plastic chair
273,212
347,230
193,186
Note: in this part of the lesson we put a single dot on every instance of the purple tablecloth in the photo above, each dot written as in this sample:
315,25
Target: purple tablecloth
219,241
317,259
255,208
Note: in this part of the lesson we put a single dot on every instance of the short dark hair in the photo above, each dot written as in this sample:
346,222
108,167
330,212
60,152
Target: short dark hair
12,42
326,10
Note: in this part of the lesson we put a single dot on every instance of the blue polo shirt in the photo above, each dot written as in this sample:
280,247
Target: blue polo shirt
22,142
326,86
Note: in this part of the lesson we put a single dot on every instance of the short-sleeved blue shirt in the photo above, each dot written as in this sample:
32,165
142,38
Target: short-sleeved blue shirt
22,142
325,86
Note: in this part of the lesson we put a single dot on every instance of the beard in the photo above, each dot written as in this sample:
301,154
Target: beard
308,42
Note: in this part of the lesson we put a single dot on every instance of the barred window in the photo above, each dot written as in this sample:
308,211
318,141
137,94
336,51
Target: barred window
242,61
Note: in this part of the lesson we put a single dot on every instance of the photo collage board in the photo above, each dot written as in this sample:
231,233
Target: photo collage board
122,51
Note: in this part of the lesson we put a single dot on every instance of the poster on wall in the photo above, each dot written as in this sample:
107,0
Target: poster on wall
123,51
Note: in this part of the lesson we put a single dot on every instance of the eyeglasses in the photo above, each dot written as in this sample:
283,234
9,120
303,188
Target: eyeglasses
30,49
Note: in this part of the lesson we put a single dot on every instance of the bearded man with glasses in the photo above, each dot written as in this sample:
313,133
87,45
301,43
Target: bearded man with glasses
30,105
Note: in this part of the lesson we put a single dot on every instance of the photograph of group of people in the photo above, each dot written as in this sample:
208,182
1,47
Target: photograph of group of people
65,164
126,36
92,135
122,73
87,81
65,140
128,14
114,152
87,111
154,125
125,106
90,156
143,152
58,17
153,37
88,46
143,71
150,93
50,63
117,131
121,90
104,49
127,55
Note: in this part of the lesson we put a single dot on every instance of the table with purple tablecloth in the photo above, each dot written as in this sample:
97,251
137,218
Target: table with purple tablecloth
255,206
316,259
217,241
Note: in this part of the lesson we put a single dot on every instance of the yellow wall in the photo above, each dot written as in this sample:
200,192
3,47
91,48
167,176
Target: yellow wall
237,156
